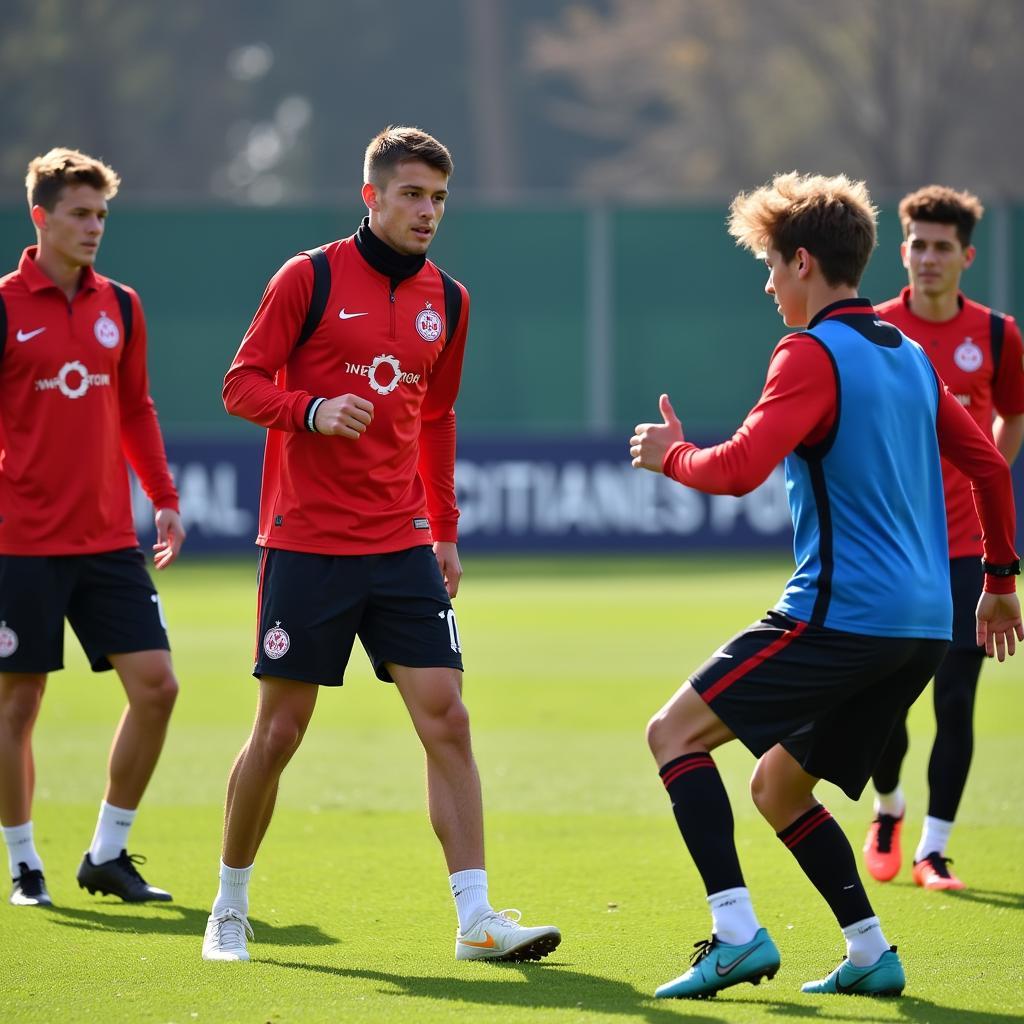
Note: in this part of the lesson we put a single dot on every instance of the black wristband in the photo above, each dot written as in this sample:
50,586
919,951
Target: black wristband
1009,569
311,414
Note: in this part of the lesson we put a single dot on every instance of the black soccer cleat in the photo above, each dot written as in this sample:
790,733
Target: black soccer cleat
119,877
29,889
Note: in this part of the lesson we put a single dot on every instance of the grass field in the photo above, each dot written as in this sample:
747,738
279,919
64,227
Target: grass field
350,904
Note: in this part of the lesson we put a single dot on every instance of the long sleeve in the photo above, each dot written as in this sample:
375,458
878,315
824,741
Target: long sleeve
797,405
436,465
963,443
255,387
141,439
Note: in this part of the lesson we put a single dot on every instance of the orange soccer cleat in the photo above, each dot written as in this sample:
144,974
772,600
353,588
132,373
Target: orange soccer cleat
882,856
932,872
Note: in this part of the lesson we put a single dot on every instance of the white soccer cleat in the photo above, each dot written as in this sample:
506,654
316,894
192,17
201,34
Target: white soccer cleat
225,936
498,935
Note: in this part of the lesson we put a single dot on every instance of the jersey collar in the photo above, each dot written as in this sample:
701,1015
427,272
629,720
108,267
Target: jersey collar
385,260
36,280
844,307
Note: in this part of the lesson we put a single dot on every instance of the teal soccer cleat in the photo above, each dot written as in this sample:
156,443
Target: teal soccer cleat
884,977
717,965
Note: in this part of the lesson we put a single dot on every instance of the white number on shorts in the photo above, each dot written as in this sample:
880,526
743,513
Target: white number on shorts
453,631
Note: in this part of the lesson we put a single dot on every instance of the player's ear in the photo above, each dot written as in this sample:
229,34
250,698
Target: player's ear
904,255
803,261
38,215
969,253
370,195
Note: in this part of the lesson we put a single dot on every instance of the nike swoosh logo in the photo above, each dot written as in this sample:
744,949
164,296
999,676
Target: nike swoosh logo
723,969
348,316
489,944
720,653
29,335
840,987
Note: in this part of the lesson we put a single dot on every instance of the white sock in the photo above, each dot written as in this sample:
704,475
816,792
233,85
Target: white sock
470,891
732,916
234,889
894,804
21,849
111,835
865,942
934,837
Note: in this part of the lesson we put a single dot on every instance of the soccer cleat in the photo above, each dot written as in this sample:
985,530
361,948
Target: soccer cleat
932,872
118,877
498,935
882,855
29,889
225,935
718,965
884,977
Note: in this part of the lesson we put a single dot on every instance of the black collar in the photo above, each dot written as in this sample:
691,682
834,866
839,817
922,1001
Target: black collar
844,307
384,259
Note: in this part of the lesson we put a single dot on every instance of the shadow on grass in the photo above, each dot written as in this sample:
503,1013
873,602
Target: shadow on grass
171,919
992,897
543,987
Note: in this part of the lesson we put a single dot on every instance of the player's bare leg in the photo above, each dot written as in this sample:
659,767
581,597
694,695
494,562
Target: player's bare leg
685,725
21,695
151,688
149,683
784,794
282,716
433,697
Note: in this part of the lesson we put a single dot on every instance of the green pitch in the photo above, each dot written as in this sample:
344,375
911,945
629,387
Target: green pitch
566,662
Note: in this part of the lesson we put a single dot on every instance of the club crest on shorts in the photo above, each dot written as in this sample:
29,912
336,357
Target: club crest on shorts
429,324
108,334
8,640
968,356
276,641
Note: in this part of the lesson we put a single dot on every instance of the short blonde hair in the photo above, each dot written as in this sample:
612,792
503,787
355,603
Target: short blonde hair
49,174
832,218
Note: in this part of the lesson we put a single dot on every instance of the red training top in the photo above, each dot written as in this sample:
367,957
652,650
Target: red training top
386,341
74,403
961,351
798,406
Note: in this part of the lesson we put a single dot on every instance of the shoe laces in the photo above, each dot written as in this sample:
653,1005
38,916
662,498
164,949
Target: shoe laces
128,861
883,837
938,864
508,917
702,949
232,927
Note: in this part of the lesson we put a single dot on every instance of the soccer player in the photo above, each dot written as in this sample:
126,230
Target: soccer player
353,362
74,406
859,416
978,354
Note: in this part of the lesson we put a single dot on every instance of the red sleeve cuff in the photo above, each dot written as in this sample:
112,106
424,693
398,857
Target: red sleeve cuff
1000,584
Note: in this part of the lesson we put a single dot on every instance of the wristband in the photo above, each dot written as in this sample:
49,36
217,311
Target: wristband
1007,569
311,414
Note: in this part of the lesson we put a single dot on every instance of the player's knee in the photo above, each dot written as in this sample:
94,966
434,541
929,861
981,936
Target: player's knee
159,694
277,739
447,724
762,792
19,709
669,737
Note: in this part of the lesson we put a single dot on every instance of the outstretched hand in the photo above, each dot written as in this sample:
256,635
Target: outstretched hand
999,621
650,443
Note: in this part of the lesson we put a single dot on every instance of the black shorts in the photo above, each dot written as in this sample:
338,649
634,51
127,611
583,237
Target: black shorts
966,578
312,607
830,698
108,598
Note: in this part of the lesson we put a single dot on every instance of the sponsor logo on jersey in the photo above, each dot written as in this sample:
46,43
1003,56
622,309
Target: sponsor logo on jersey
276,641
8,640
73,380
384,373
107,332
429,324
968,356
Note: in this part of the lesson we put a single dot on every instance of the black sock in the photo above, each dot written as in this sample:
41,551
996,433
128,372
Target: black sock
825,854
704,817
955,685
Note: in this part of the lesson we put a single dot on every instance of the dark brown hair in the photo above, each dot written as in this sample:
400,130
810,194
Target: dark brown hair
49,174
832,218
395,145
937,204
